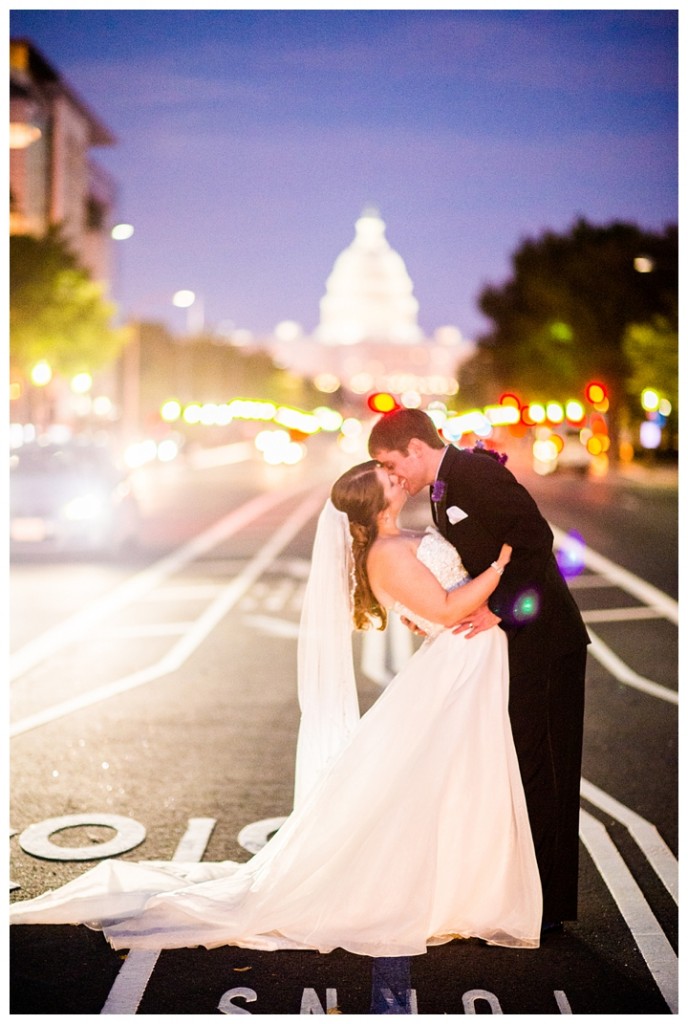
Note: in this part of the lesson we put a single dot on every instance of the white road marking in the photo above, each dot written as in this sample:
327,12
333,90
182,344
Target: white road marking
79,624
613,663
645,592
647,933
622,614
273,627
135,973
201,628
643,832
134,632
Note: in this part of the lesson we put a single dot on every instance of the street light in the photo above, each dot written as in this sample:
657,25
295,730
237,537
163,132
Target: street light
193,304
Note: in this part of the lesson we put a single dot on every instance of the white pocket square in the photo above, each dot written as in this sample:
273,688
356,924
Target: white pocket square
456,514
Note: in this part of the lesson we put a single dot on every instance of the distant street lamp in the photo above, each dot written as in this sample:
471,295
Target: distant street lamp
193,304
121,232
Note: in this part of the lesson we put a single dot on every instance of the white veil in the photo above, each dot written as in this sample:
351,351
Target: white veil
326,683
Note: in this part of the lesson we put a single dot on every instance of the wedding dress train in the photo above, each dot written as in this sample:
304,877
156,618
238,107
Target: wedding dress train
416,835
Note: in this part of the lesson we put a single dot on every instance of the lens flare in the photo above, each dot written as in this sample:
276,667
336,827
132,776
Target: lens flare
527,606
571,555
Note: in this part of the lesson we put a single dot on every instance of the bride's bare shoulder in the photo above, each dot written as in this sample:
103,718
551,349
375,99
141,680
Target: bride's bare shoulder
398,545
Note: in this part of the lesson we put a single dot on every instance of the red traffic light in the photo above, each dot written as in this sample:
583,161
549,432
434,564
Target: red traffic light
382,401
595,392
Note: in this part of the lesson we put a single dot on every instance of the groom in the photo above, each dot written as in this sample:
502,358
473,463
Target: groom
478,505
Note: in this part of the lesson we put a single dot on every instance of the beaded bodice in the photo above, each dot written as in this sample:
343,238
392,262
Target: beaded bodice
443,561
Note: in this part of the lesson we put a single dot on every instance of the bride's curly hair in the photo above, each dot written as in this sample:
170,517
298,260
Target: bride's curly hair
359,494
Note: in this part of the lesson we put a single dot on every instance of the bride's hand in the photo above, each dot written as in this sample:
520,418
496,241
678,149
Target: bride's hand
505,555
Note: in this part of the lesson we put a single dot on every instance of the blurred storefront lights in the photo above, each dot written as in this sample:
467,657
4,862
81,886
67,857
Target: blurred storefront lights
41,374
81,383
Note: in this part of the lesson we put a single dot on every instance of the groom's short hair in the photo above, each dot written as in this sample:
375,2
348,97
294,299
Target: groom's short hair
394,430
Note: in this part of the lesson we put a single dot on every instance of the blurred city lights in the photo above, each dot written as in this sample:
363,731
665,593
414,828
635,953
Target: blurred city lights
167,450
544,456
382,401
81,383
295,419
643,264
329,419
277,448
102,405
555,412
192,414
650,434
171,411
351,427
183,298
411,399
536,412
121,232
649,400
140,453
502,415
41,374
575,413
327,383
596,393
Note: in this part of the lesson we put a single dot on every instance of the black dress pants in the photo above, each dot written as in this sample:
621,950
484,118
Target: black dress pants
546,704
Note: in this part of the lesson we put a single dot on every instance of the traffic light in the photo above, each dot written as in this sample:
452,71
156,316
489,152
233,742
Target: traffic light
382,402
595,392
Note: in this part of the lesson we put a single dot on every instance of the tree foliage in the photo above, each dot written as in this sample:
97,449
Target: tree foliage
57,312
562,316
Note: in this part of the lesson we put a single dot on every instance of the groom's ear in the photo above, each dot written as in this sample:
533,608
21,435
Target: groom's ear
416,447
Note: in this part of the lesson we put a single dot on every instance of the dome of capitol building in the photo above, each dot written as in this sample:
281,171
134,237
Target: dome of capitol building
368,337
369,294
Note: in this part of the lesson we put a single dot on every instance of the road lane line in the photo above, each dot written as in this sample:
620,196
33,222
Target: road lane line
655,948
622,614
621,671
74,627
645,592
206,622
662,860
135,973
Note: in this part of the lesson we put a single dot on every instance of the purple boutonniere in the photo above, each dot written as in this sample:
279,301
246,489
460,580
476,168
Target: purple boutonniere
480,449
438,489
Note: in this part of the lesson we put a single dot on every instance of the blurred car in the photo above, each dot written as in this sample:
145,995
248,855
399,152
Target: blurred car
574,455
70,497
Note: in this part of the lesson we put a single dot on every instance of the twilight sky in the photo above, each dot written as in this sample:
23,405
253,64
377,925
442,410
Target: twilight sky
249,142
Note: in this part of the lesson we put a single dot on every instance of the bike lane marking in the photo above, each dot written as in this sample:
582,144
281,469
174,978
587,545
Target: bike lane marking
647,933
201,628
135,973
621,577
645,834
54,639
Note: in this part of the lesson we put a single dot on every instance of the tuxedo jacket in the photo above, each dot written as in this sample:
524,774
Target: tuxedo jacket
483,506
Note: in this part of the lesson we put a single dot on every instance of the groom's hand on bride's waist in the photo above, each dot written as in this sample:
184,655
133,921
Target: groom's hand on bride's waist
477,622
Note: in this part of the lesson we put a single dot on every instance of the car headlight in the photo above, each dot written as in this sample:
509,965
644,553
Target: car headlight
86,506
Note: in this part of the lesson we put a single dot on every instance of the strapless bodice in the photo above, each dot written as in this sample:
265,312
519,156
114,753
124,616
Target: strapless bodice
443,561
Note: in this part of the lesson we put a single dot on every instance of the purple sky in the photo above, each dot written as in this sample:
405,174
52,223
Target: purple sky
249,141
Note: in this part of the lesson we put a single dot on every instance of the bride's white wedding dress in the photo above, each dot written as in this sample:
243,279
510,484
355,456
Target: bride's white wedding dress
416,835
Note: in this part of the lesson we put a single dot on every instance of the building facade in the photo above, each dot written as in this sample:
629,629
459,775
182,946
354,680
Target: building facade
53,179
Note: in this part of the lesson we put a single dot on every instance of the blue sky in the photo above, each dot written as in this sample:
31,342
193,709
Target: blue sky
249,141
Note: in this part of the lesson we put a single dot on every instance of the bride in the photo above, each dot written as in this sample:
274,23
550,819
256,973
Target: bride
410,826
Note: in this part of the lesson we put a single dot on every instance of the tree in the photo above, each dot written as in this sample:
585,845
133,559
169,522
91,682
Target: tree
561,318
57,312
651,353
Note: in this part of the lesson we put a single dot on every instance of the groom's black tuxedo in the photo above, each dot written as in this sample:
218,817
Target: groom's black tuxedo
482,507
